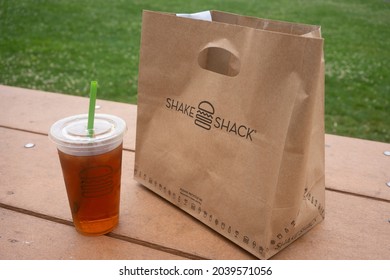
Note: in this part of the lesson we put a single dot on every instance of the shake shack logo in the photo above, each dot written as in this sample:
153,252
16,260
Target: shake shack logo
205,118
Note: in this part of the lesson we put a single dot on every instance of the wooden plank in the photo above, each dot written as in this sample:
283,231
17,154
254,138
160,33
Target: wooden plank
36,111
357,166
24,237
352,165
355,227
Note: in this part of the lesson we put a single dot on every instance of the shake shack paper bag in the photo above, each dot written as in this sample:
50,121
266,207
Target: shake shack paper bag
230,124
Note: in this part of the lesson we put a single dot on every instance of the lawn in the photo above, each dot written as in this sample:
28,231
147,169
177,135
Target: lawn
62,45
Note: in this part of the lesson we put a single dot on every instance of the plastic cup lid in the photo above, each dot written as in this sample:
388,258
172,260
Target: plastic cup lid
72,137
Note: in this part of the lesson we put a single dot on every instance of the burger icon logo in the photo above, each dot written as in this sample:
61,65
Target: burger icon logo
204,115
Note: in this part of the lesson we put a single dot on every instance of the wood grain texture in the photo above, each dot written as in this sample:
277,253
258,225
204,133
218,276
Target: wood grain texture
34,206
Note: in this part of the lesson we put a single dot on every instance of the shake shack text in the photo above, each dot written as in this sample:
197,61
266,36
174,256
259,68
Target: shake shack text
204,115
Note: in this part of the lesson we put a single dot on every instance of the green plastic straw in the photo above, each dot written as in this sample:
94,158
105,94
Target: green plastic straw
91,112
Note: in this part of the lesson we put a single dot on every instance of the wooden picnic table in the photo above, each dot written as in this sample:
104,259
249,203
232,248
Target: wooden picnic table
35,220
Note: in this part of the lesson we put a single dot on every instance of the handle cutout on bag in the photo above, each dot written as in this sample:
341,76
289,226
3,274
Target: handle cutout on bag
219,60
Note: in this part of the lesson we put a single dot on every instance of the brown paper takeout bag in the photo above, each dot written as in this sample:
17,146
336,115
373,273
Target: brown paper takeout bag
230,124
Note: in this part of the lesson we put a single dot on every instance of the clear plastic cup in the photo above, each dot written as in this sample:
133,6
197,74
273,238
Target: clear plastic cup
91,166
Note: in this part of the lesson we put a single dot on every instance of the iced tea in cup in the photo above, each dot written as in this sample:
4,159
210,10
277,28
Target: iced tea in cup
91,167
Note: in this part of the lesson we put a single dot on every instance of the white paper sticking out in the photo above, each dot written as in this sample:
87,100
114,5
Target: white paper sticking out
205,15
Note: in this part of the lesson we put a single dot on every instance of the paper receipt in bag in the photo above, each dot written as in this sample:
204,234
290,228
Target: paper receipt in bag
205,15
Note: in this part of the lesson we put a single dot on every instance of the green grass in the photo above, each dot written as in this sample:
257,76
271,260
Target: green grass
62,45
